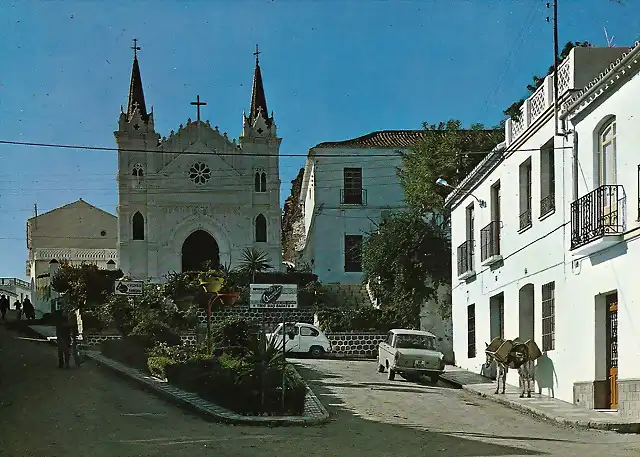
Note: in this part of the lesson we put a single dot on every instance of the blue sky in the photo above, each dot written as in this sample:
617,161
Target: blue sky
332,70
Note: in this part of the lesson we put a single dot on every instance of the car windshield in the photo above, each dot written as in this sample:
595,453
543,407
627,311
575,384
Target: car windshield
408,341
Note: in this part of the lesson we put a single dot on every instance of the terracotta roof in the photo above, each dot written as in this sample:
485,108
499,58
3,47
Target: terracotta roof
385,139
605,74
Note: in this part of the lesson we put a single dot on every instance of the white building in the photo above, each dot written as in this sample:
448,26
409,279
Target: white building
76,233
348,186
507,284
196,195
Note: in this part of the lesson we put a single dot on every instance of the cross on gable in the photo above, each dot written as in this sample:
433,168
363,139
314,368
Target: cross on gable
135,47
198,104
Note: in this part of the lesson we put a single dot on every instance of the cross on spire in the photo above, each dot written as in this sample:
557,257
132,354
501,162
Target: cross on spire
257,54
198,104
135,47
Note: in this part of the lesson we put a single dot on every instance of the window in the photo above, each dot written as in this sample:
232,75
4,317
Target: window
549,316
138,171
290,329
471,331
389,339
260,182
308,331
261,229
353,253
496,316
547,179
607,154
470,222
138,226
525,194
352,191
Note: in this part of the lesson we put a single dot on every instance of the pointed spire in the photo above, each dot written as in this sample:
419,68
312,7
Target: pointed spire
136,94
258,99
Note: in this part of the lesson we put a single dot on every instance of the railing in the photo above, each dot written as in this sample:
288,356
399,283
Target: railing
14,282
525,219
547,204
465,257
490,240
600,212
353,196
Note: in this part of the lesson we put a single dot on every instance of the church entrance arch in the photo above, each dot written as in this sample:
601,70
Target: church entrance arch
198,249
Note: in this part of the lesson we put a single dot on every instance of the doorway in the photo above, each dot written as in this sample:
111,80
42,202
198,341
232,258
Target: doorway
199,249
612,349
526,318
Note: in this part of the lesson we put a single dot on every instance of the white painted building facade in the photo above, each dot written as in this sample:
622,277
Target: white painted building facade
348,186
15,289
195,196
77,233
513,269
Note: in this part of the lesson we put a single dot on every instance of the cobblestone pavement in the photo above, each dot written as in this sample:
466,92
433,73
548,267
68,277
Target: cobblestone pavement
47,412
445,421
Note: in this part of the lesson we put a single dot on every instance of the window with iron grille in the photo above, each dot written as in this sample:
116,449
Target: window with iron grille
549,316
353,253
352,193
471,331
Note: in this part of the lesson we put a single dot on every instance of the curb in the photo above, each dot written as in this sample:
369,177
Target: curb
620,427
206,409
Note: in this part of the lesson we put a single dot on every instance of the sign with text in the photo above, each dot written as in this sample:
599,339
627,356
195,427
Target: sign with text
128,287
273,296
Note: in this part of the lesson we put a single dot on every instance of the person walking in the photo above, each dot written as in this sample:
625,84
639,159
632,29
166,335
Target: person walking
18,306
29,310
4,306
63,338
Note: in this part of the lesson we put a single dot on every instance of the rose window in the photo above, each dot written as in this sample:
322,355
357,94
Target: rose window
199,173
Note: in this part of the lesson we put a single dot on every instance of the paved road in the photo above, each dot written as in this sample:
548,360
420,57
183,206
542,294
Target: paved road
83,412
445,421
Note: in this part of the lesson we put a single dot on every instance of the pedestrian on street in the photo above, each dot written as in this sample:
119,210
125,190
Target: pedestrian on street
29,310
18,306
63,338
4,306
75,328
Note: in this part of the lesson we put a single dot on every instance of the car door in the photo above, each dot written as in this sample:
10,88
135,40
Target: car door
384,349
307,338
292,338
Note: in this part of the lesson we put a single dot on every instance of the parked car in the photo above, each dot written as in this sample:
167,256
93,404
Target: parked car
411,354
302,338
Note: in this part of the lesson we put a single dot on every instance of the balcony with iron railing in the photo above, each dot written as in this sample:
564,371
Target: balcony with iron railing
598,219
525,219
547,204
490,243
466,267
353,196
14,282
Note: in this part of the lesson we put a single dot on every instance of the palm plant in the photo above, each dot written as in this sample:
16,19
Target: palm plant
254,261
263,357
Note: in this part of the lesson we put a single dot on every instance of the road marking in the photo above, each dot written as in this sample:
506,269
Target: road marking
194,440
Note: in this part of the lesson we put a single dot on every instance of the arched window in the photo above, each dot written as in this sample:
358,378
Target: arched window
257,182
138,226
261,229
138,171
607,154
263,182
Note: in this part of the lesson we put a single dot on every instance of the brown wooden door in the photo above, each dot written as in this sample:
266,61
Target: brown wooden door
613,350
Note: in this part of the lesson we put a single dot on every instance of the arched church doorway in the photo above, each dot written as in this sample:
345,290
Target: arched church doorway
198,249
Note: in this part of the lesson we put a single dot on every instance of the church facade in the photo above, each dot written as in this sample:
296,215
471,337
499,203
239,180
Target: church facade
195,196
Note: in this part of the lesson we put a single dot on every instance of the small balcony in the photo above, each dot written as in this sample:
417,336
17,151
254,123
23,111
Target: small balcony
353,196
490,243
525,220
466,267
547,204
598,219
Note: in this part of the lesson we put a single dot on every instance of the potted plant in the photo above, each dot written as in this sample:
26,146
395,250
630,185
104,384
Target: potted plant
231,291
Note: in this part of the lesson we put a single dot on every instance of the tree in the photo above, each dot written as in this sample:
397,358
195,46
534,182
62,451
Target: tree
405,261
86,286
442,154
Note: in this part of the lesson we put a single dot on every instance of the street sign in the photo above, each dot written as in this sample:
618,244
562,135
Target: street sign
129,287
273,296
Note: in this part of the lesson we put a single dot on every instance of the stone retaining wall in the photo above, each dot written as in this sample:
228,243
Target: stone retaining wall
94,339
355,344
271,318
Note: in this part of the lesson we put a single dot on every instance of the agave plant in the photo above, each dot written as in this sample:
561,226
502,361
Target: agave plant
263,357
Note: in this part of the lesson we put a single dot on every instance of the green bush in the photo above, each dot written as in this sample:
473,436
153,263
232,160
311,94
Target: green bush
127,350
365,318
157,366
150,333
233,333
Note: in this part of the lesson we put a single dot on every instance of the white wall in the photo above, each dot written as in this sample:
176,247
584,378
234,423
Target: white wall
327,221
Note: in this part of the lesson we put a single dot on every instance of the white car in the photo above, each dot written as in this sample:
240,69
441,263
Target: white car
302,338
411,354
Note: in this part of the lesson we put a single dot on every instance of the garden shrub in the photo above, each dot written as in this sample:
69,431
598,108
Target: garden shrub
150,333
157,366
233,333
127,350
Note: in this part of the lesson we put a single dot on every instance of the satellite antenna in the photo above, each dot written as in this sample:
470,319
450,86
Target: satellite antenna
609,40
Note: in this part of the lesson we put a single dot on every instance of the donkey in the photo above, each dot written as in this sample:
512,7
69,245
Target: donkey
526,373
502,370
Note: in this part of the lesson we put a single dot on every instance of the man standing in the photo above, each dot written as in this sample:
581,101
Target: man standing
18,306
63,338
4,306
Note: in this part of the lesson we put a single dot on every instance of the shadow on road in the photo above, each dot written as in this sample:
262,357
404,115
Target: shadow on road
419,444
382,386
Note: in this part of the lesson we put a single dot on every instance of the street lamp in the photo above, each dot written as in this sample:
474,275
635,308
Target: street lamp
443,182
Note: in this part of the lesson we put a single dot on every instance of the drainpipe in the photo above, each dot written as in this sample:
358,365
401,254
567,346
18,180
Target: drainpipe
575,165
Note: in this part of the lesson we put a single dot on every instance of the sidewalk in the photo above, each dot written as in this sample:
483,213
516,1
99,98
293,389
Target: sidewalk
540,405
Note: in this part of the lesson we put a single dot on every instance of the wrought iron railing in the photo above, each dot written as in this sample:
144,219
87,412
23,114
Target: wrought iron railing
600,212
465,257
490,240
525,219
547,204
353,196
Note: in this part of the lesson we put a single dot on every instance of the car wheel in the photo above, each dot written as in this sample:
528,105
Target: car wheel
316,352
391,374
435,378
380,367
